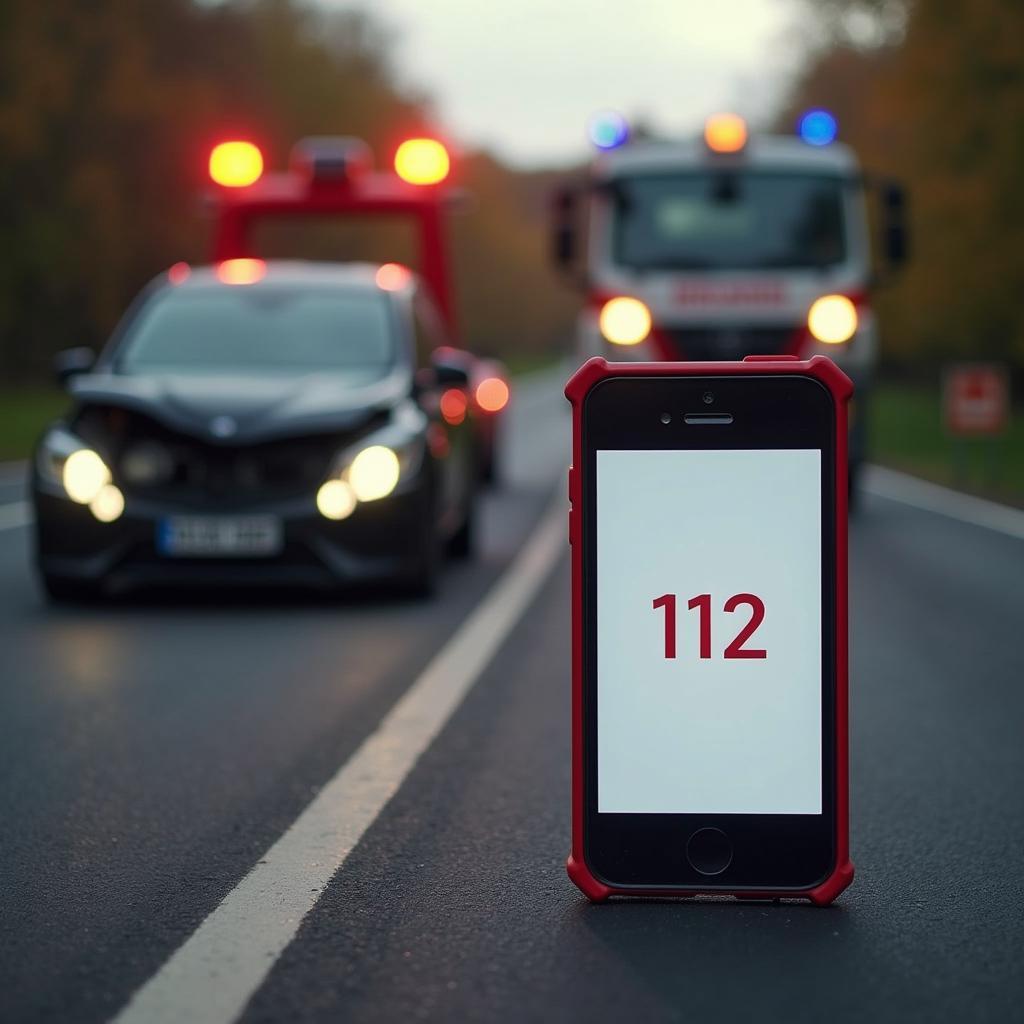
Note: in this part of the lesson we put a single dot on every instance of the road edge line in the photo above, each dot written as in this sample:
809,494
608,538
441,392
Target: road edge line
212,976
929,497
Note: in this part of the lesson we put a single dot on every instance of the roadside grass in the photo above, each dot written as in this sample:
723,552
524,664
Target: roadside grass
906,432
23,414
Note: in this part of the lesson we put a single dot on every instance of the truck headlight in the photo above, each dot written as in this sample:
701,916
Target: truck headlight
832,319
625,320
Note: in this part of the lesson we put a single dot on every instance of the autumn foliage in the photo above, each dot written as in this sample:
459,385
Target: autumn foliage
937,100
108,110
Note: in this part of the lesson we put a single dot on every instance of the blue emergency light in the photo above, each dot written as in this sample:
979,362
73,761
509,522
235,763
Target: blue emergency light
818,127
608,130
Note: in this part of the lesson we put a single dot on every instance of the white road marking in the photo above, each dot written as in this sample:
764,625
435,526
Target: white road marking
910,490
17,513
210,979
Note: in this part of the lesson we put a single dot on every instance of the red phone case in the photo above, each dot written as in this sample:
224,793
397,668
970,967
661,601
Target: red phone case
576,390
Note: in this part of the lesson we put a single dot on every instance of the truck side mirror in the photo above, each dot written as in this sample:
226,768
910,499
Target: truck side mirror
894,224
71,362
564,209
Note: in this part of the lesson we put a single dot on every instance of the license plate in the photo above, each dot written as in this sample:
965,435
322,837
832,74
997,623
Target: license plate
219,536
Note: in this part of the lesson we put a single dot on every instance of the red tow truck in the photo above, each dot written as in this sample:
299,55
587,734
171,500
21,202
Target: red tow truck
333,177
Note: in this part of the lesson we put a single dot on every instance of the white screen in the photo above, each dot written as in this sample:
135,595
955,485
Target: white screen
693,735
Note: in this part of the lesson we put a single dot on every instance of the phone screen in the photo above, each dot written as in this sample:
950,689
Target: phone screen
709,631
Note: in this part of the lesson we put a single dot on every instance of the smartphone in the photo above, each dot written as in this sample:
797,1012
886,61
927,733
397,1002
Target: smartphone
708,525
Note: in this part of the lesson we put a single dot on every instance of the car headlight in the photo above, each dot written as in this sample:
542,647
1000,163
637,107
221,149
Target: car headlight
66,460
374,472
369,471
84,475
86,479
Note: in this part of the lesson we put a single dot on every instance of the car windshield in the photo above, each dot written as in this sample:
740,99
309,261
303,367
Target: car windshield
728,220
263,329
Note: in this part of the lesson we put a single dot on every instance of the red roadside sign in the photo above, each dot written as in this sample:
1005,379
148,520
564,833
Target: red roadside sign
976,399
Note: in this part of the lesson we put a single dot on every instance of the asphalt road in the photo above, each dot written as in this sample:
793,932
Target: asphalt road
152,752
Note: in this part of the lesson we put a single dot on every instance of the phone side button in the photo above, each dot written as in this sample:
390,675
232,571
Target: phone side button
709,851
572,525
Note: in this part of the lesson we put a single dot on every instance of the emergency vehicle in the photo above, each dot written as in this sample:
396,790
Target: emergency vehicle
272,421
728,245
334,177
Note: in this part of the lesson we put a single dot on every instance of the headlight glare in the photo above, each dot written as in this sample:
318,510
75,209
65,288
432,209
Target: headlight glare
335,500
832,319
84,476
108,504
625,320
374,473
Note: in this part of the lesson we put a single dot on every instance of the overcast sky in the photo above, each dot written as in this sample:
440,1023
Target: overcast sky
522,76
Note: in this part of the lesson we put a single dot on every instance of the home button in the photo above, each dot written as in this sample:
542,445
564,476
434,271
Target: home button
709,851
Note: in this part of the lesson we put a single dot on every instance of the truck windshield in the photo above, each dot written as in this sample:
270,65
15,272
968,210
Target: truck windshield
269,328
728,220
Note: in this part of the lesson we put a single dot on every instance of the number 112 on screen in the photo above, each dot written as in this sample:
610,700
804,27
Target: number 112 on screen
701,604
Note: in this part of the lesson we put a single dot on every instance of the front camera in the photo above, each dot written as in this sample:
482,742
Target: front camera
708,397
666,417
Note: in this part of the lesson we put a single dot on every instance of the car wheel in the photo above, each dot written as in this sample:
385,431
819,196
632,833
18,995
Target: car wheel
61,590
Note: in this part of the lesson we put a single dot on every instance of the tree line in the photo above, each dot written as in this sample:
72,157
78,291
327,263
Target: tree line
932,93
108,111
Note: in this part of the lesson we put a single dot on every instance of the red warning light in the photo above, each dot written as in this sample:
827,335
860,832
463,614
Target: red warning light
236,164
492,394
453,406
392,277
241,271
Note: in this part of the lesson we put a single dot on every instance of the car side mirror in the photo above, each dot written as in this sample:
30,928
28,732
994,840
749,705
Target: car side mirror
450,372
72,362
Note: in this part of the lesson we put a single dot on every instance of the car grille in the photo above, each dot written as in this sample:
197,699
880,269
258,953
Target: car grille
701,344
275,469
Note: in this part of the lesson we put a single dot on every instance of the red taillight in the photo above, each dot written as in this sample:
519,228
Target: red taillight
453,406
492,394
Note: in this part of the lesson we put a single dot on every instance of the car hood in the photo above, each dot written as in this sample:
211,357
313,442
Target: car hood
235,409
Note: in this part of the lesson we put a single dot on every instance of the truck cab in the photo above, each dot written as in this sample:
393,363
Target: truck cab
728,245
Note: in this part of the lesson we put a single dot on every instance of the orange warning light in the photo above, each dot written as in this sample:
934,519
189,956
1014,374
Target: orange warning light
236,164
422,162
